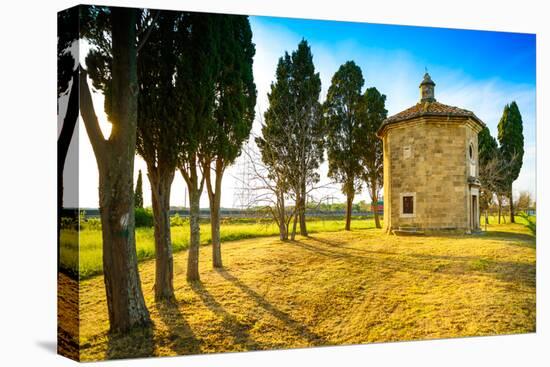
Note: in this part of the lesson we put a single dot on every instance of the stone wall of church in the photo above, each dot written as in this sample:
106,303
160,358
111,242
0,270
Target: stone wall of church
428,159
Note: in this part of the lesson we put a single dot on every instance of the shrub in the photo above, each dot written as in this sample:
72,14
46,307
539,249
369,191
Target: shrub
69,223
93,223
144,217
177,221
530,223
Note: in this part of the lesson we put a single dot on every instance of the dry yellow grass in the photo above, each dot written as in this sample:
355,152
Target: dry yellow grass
332,288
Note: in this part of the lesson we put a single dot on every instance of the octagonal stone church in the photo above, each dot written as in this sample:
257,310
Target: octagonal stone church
431,167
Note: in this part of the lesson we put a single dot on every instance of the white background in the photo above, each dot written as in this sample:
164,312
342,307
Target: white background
28,179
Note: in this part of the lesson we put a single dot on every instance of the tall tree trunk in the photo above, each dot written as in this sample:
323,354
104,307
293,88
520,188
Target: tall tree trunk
214,196
195,234
499,200
512,218
374,199
195,190
115,158
283,231
294,225
349,207
302,212
215,230
296,210
123,287
161,183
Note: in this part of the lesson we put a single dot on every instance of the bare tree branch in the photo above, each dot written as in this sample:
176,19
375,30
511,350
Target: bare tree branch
89,117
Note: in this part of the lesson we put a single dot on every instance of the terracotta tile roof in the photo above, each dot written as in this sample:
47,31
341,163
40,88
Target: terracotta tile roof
428,109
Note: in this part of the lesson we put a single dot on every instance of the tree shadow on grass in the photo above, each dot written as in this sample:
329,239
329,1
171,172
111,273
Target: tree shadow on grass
293,324
181,338
323,251
137,343
519,239
327,242
335,245
338,250
238,330
508,271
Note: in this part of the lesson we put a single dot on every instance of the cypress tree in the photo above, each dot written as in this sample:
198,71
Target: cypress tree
196,69
112,68
510,137
373,112
294,126
342,113
138,194
235,99
157,138
487,146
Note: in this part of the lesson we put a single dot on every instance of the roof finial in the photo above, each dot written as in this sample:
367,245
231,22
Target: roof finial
426,69
427,88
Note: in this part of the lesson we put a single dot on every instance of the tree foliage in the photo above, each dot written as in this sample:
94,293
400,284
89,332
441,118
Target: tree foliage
233,113
487,146
293,124
510,137
138,194
524,201
158,137
196,71
493,171
67,34
157,131
234,90
342,111
373,112
273,149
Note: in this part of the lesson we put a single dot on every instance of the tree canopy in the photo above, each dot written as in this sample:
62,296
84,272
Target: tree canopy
138,194
487,146
342,118
510,137
293,124
233,112
373,112
234,89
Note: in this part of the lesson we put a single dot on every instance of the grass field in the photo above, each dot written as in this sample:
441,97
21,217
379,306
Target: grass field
331,288
90,262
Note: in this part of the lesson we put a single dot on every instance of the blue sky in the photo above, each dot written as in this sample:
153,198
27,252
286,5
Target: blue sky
481,54
477,70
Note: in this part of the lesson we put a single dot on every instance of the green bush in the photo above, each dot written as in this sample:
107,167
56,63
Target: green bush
69,223
530,222
90,223
177,221
144,217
